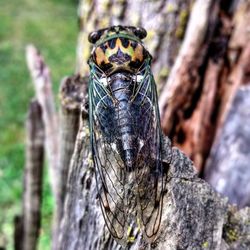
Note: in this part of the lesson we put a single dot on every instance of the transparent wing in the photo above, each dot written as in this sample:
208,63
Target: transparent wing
111,176
127,195
148,171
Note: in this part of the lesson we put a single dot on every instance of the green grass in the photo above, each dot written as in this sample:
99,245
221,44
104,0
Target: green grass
51,25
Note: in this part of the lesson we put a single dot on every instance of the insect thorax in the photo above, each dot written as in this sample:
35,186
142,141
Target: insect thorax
118,49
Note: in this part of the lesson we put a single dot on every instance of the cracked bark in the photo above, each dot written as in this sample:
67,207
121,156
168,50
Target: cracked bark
194,215
72,91
207,72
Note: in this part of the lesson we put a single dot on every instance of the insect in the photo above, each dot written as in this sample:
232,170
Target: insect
126,138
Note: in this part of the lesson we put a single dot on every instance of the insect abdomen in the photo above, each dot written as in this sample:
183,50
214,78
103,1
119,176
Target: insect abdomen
127,141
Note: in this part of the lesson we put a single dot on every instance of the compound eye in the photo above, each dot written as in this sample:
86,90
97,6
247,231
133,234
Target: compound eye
140,32
94,36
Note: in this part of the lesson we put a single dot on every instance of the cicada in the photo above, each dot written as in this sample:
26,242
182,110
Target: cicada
126,138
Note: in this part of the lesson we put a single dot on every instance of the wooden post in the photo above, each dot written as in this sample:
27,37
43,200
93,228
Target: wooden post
43,86
72,94
32,196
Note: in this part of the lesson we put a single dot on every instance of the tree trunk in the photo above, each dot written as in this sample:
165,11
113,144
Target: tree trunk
193,107
207,72
198,70
194,216
227,168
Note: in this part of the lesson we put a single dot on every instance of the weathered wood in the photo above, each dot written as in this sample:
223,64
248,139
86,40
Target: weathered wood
227,168
204,78
184,78
194,216
198,128
225,165
238,54
32,196
72,93
42,82
82,226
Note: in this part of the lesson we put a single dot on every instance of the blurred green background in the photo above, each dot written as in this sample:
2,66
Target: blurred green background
51,25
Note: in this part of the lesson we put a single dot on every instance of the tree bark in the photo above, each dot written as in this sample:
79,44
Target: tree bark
205,77
32,196
228,162
194,216
196,96
185,105
192,105
72,94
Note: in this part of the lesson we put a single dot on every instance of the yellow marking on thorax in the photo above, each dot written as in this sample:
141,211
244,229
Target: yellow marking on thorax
104,56
138,53
100,56
118,45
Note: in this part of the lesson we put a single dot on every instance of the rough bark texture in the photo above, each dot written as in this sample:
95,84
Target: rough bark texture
182,119
189,59
229,159
205,76
32,196
194,216
71,95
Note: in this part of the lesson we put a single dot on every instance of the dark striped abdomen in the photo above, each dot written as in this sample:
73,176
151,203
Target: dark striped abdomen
125,124
126,140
